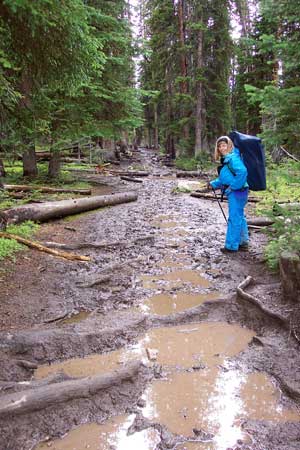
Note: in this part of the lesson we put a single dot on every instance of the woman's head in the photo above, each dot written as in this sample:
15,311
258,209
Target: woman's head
224,145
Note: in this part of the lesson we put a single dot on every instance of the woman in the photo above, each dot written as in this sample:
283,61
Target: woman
232,180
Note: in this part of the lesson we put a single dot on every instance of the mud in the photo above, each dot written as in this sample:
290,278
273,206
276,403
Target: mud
218,373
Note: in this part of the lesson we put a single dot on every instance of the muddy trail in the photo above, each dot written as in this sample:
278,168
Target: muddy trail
148,346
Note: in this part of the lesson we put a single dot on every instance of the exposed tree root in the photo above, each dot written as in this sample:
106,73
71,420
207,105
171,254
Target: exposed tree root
242,294
42,248
283,320
42,397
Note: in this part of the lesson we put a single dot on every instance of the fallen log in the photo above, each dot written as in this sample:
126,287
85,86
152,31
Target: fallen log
133,179
186,174
49,190
260,221
129,173
45,396
42,248
52,210
213,197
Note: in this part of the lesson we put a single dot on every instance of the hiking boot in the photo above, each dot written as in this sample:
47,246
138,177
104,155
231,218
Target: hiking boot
227,250
243,247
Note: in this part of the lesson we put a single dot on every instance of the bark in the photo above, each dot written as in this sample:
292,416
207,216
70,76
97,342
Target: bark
183,62
260,221
29,162
54,165
199,96
2,170
45,396
42,248
26,188
52,210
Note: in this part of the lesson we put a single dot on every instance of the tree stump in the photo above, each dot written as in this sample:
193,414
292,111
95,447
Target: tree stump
290,275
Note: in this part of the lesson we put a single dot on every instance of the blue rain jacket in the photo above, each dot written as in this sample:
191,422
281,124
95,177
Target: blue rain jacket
233,178
233,175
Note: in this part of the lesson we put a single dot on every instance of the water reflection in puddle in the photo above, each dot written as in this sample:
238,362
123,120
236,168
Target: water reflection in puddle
183,346
210,397
215,401
164,304
112,435
175,278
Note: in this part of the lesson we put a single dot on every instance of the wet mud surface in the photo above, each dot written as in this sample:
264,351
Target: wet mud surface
211,371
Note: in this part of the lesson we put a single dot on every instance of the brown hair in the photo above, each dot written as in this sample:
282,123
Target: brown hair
228,142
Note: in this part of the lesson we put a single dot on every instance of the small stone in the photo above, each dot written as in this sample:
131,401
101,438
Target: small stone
152,354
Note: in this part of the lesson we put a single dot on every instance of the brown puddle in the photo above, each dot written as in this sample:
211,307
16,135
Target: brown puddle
88,366
210,398
164,304
175,279
111,435
75,319
183,345
216,402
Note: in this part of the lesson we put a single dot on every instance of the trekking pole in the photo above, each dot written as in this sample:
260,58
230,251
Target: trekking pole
219,203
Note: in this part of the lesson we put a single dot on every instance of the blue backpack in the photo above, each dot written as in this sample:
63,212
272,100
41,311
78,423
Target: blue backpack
253,155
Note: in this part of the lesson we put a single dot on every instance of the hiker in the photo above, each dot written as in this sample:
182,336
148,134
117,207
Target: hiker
232,181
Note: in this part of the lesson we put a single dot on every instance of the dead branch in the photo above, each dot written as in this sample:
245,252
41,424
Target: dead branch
288,154
42,397
49,190
42,248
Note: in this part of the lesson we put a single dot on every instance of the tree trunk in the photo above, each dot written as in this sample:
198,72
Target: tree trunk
183,63
52,210
2,170
54,165
156,137
199,104
29,162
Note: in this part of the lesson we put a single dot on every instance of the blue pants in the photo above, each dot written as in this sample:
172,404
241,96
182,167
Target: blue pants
237,228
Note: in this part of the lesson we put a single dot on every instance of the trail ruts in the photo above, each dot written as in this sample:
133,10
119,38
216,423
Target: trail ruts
44,396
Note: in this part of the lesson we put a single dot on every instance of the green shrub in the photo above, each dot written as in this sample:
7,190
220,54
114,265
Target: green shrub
283,186
8,247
